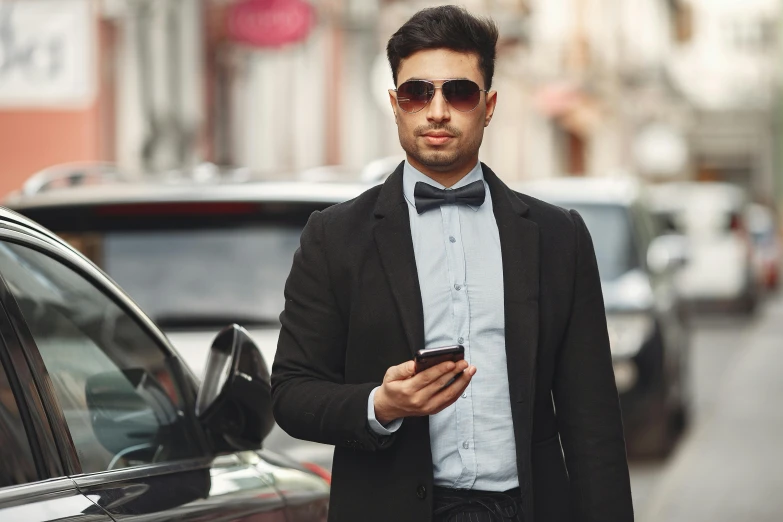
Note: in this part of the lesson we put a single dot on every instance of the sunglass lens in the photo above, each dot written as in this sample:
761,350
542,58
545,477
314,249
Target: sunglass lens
413,95
463,95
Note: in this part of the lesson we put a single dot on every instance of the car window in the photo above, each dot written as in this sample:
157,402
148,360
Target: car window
113,381
247,270
16,458
613,237
159,253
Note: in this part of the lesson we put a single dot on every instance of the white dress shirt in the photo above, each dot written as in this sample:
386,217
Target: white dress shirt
460,271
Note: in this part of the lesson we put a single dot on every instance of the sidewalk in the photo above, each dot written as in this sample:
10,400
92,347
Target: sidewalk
731,468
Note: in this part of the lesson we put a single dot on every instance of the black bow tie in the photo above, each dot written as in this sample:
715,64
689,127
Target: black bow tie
428,197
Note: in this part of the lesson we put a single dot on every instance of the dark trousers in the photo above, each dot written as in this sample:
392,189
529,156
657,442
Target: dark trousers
463,505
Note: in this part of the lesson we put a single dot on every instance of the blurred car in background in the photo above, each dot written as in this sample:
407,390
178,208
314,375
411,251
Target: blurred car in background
648,325
713,216
764,232
101,420
379,169
196,250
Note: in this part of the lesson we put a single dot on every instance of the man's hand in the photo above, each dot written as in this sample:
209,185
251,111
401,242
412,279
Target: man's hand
407,394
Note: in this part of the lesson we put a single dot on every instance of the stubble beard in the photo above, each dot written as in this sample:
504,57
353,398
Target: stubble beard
440,160
435,159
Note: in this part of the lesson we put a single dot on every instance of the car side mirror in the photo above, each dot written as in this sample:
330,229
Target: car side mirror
234,402
667,253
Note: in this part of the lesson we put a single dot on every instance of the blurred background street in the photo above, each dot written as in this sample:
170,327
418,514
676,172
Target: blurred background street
727,466
181,145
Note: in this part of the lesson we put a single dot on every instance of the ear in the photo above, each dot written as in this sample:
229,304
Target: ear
393,101
492,99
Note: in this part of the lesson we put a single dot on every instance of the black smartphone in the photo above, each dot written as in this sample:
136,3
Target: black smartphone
429,357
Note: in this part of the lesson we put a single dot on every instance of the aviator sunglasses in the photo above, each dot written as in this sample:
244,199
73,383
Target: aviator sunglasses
462,95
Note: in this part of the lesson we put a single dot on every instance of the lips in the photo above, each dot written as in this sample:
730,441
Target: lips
437,138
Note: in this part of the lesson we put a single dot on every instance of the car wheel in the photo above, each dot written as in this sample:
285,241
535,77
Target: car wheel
748,303
680,418
662,441
656,439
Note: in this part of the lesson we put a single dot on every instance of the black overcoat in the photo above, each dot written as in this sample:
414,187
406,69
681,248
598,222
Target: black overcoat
353,309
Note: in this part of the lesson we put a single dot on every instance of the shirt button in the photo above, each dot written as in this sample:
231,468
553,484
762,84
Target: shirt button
452,239
457,287
466,444
465,395
421,492
460,340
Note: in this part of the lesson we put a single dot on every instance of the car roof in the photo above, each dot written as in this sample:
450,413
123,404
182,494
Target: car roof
674,196
155,192
587,190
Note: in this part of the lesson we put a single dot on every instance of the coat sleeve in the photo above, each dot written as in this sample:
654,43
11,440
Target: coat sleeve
310,398
586,401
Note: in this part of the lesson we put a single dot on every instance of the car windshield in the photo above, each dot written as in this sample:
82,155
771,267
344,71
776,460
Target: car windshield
202,272
612,232
204,275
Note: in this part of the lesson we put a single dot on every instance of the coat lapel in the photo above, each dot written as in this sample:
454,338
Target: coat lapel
395,245
520,255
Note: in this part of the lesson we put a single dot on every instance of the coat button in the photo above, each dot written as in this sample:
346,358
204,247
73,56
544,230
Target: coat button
421,492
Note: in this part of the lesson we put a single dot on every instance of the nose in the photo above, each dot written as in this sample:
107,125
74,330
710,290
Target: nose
438,108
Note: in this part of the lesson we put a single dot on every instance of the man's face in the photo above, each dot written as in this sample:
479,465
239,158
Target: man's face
439,138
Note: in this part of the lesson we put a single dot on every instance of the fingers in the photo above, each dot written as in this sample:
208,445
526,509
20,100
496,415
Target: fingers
444,380
400,372
432,375
446,396
461,380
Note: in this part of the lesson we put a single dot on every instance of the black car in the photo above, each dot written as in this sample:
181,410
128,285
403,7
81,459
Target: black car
649,329
195,252
100,419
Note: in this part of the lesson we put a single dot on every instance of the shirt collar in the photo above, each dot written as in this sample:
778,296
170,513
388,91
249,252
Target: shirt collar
410,176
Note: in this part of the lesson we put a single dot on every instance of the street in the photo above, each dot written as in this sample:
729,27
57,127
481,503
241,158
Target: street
729,464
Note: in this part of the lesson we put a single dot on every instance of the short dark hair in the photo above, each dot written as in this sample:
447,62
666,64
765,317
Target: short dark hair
445,27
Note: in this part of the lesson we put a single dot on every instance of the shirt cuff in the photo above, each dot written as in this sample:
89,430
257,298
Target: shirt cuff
375,426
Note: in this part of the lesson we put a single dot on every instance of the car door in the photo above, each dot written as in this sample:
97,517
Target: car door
123,400
33,486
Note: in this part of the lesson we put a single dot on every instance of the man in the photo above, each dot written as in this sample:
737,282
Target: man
443,253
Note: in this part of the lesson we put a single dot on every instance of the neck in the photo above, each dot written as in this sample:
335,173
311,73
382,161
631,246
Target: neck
447,176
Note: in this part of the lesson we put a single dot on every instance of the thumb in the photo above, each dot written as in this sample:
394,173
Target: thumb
401,371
